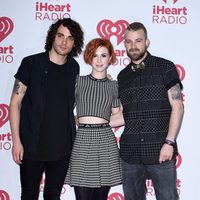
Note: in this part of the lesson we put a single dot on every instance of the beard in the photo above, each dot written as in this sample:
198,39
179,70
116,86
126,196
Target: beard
136,54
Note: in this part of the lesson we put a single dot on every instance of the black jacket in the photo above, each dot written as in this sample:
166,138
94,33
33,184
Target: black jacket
33,72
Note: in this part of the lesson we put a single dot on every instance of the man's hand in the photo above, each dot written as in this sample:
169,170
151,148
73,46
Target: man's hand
166,153
109,77
76,120
17,152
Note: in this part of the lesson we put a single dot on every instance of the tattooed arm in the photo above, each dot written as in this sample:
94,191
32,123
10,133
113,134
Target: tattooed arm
175,99
18,93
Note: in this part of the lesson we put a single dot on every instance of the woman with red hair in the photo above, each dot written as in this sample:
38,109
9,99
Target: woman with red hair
95,162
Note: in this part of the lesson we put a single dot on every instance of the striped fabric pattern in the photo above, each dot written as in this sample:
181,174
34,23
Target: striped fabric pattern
96,97
95,160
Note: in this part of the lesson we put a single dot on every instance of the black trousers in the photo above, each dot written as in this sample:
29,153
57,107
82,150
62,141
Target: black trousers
31,173
86,193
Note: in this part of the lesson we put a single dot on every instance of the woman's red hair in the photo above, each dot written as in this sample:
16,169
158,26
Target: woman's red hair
93,45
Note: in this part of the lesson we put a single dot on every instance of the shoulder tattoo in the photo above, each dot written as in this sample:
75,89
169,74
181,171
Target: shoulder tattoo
175,92
19,87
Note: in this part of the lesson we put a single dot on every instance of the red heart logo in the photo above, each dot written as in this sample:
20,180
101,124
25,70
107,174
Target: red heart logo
107,28
174,1
178,161
116,196
4,195
4,114
6,27
181,71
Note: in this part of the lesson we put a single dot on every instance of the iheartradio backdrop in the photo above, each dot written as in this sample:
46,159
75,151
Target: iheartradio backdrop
174,34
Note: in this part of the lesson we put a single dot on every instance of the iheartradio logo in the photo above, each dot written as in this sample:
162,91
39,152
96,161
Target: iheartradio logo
4,195
181,71
116,196
107,28
169,14
4,114
6,27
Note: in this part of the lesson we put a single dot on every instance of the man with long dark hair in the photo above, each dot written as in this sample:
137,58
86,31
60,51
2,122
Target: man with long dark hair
41,111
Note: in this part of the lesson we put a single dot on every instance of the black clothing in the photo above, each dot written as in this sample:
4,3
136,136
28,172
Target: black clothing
31,172
55,140
34,73
87,193
146,108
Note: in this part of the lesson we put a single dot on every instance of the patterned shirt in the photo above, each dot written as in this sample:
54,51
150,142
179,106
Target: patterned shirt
96,97
146,108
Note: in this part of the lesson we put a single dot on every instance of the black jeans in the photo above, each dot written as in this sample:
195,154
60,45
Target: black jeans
31,173
86,193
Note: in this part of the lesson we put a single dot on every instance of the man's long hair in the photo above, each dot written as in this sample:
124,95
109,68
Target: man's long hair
75,30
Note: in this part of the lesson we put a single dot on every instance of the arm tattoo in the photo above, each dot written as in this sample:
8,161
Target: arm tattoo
18,87
175,92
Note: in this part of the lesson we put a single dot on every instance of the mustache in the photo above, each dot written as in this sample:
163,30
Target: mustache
133,50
